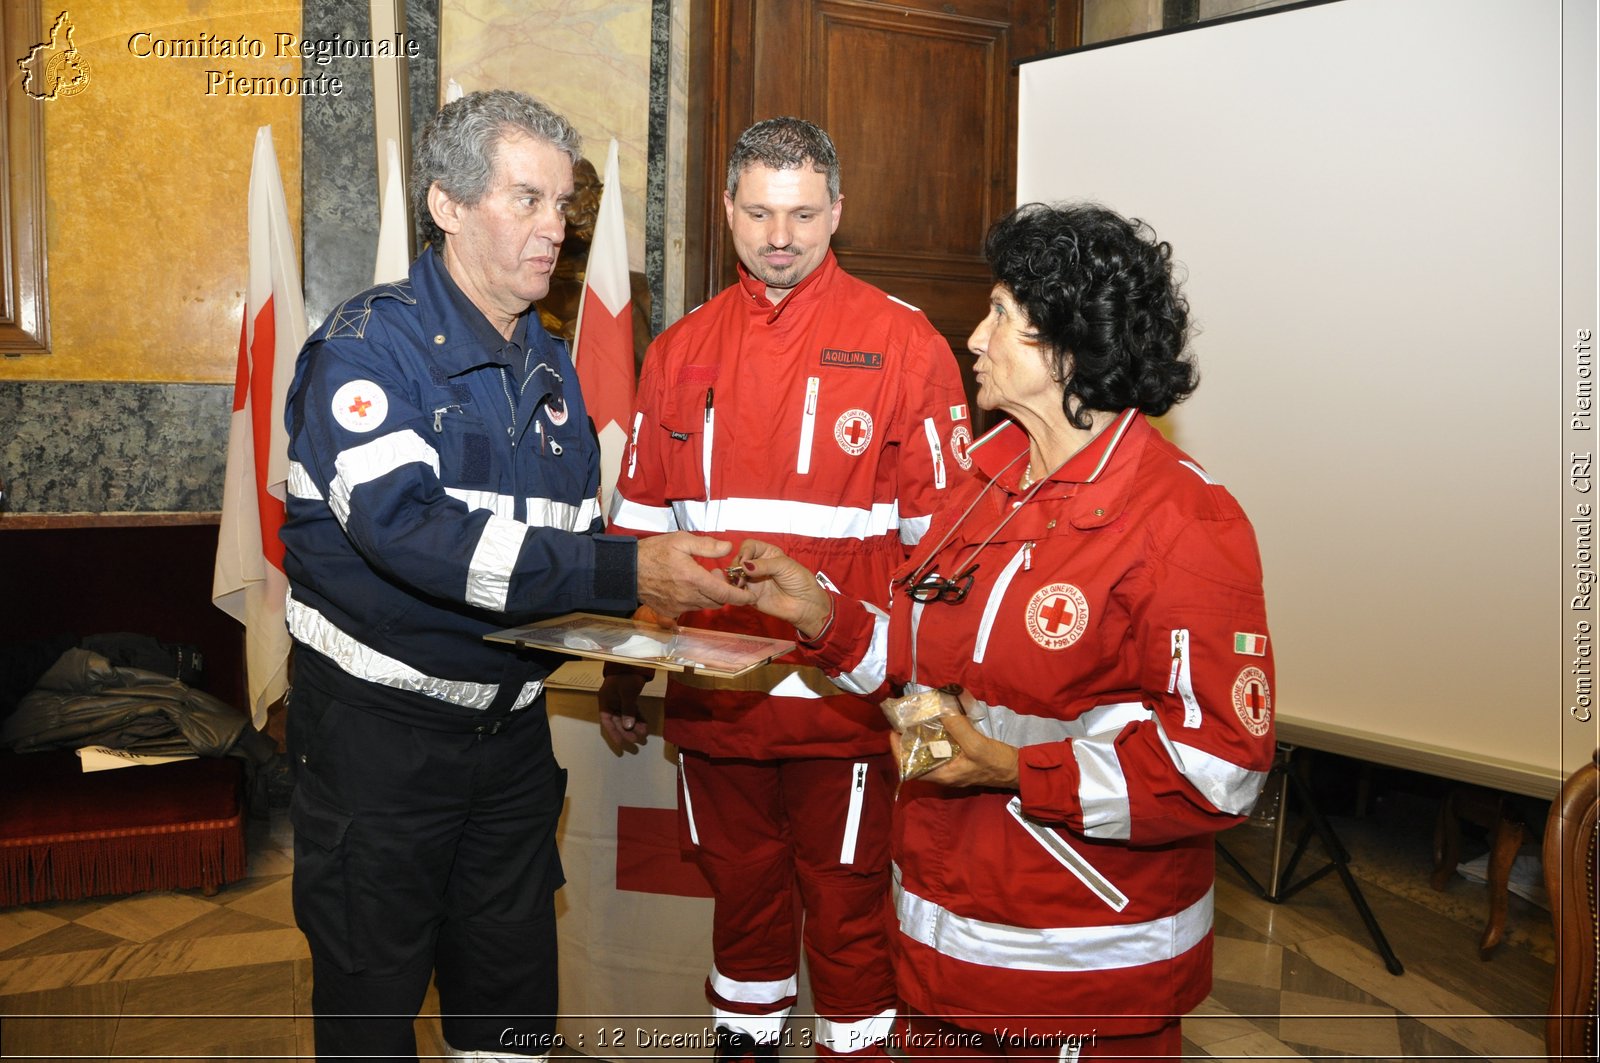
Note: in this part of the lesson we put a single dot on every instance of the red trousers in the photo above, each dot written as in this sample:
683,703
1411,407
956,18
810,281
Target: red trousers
797,853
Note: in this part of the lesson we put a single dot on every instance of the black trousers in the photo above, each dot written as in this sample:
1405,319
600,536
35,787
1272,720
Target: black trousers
422,852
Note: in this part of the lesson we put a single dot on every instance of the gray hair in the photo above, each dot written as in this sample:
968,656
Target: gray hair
784,144
458,148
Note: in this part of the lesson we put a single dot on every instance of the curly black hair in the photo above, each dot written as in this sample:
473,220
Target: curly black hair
1099,292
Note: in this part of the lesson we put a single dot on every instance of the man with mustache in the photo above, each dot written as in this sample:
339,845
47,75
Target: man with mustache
443,485
808,408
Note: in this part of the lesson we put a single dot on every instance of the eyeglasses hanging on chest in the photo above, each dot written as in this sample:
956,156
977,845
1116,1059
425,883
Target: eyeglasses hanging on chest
923,586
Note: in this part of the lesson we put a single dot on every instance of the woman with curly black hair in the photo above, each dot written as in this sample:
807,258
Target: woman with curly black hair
1089,608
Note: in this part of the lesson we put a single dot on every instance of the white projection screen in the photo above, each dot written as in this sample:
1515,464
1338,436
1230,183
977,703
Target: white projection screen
1372,200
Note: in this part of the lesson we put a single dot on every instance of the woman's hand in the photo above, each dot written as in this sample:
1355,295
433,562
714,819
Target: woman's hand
981,762
783,587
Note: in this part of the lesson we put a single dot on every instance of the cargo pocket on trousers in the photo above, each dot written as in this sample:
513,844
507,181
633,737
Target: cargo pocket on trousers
321,880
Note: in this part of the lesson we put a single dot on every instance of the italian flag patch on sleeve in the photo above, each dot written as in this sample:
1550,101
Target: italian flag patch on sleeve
1250,645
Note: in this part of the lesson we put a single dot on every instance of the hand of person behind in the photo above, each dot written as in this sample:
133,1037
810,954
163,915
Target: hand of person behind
621,723
783,587
671,581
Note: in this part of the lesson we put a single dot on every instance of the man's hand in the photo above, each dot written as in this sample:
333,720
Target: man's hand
672,582
625,730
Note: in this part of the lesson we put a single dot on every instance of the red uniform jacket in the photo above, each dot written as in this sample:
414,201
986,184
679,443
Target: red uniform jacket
829,425
1116,632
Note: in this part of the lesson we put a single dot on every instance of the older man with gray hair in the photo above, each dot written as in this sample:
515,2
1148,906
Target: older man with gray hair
443,485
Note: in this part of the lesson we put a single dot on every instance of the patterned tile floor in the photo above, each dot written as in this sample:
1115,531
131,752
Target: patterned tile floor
178,975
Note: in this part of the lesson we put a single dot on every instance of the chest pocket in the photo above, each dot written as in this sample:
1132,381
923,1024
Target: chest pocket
688,429
462,440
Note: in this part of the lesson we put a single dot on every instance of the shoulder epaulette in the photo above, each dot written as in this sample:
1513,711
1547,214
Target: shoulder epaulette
350,318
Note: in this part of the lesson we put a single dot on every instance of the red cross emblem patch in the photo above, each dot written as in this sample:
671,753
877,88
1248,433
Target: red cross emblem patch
960,445
1252,700
853,431
1058,615
360,406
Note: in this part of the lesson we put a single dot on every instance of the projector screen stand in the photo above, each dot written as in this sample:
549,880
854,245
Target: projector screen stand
1289,776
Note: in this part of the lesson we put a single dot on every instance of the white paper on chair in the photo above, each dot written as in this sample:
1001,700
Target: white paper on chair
104,758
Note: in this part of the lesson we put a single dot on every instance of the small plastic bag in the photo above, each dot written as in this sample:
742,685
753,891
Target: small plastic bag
924,743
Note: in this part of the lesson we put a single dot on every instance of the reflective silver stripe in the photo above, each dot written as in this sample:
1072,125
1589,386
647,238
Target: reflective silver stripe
1019,729
373,459
548,513
810,519
867,676
301,485
912,529
752,992
1068,857
688,804
849,1037
779,680
1198,471
310,627
935,451
992,607
530,691
852,818
542,512
1059,949
493,562
635,517
1102,788
1182,651
496,503
808,426
1231,789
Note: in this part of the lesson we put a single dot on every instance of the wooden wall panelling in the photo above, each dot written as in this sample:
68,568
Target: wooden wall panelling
920,96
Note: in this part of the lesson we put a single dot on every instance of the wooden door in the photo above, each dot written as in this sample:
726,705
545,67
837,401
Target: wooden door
920,97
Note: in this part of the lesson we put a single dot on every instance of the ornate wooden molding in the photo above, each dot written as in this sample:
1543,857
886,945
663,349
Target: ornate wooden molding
24,291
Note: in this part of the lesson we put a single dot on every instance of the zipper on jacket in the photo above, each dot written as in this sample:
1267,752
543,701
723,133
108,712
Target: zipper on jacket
705,444
1180,680
935,451
511,404
1069,858
808,425
633,444
991,607
438,415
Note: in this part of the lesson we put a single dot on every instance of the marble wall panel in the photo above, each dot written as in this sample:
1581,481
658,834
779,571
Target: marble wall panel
110,447
340,150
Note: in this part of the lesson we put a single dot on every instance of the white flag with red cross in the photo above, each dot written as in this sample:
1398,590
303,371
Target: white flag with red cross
248,581
603,346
